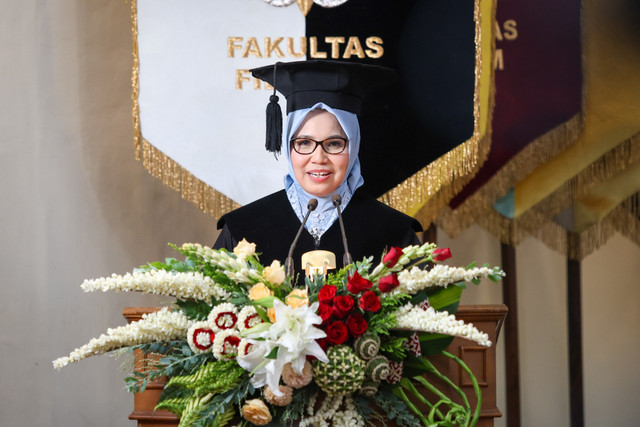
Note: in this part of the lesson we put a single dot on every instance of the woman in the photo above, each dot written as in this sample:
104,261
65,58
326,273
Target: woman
322,140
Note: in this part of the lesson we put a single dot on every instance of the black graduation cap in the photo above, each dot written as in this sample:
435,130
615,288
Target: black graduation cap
339,84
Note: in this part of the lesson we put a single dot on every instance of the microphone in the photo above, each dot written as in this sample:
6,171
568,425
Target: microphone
288,264
337,201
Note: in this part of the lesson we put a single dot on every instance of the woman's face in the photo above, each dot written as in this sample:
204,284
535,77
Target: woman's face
320,173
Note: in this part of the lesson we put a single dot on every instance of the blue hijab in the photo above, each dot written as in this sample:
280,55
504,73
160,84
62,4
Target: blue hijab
325,214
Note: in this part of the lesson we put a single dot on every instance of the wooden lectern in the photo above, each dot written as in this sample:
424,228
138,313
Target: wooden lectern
481,360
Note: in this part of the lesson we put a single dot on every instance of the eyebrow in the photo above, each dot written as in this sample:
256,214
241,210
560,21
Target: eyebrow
329,137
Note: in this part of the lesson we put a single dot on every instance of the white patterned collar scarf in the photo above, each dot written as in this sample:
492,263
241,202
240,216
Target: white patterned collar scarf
325,214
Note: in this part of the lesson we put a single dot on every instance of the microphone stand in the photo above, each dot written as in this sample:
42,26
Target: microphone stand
346,258
288,264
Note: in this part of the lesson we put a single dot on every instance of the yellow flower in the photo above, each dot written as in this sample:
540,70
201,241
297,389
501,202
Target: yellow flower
272,314
297,298
274,273
256,411
258,291
244,249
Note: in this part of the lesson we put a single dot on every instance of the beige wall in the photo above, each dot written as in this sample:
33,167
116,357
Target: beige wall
611,323
75,204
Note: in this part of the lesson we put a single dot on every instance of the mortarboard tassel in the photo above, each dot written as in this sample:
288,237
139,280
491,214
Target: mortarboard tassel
274,121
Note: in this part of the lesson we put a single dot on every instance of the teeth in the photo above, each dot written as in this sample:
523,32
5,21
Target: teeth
318,174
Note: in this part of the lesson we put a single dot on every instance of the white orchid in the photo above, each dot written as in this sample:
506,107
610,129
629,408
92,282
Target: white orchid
294,335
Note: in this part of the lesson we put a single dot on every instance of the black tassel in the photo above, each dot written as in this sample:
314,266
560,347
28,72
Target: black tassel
273,143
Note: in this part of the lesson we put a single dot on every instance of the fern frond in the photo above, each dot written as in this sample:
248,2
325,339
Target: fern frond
176,405
214,377
191,412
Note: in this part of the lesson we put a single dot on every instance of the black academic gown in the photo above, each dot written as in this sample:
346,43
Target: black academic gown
270,223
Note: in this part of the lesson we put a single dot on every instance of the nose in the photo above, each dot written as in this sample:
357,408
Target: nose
318,155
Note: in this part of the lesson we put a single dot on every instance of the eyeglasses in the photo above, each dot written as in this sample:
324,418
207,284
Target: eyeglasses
305,146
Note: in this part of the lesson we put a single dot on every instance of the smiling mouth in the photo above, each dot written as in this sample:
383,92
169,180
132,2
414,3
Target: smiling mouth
319,174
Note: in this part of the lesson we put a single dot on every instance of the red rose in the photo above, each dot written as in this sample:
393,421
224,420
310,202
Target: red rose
356,324
342,305
357,283
392,257
327,293
388,283
337,333
369,301
325,311
441,254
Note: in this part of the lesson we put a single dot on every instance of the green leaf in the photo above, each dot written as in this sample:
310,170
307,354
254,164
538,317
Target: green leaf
472,265
174,392
394,408
273,354
158,265
220,403
446,299
380,323
261,327
495,277
295,410
265,302
198,310
262,313
419,297
433,343
393,348
414,366
132,384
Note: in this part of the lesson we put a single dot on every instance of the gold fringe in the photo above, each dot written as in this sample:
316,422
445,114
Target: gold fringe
537,223
425,193
135,82
161,166
622,156
178,178
479,206
624,219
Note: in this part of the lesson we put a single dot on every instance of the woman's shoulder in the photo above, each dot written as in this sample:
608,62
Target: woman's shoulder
366,208
274,204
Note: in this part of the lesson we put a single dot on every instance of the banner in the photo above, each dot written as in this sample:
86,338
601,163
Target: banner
572,190
199,115
538,100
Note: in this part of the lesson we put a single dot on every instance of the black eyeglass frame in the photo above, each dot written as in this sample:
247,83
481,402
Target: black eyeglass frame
320,143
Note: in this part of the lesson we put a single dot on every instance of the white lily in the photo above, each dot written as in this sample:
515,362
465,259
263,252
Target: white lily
294,335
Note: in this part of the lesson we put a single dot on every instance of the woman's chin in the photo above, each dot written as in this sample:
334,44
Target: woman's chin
319,190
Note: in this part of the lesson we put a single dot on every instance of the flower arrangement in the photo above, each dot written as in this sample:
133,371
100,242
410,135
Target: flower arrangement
346,349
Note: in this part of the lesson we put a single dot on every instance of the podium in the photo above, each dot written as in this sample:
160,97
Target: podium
481,361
